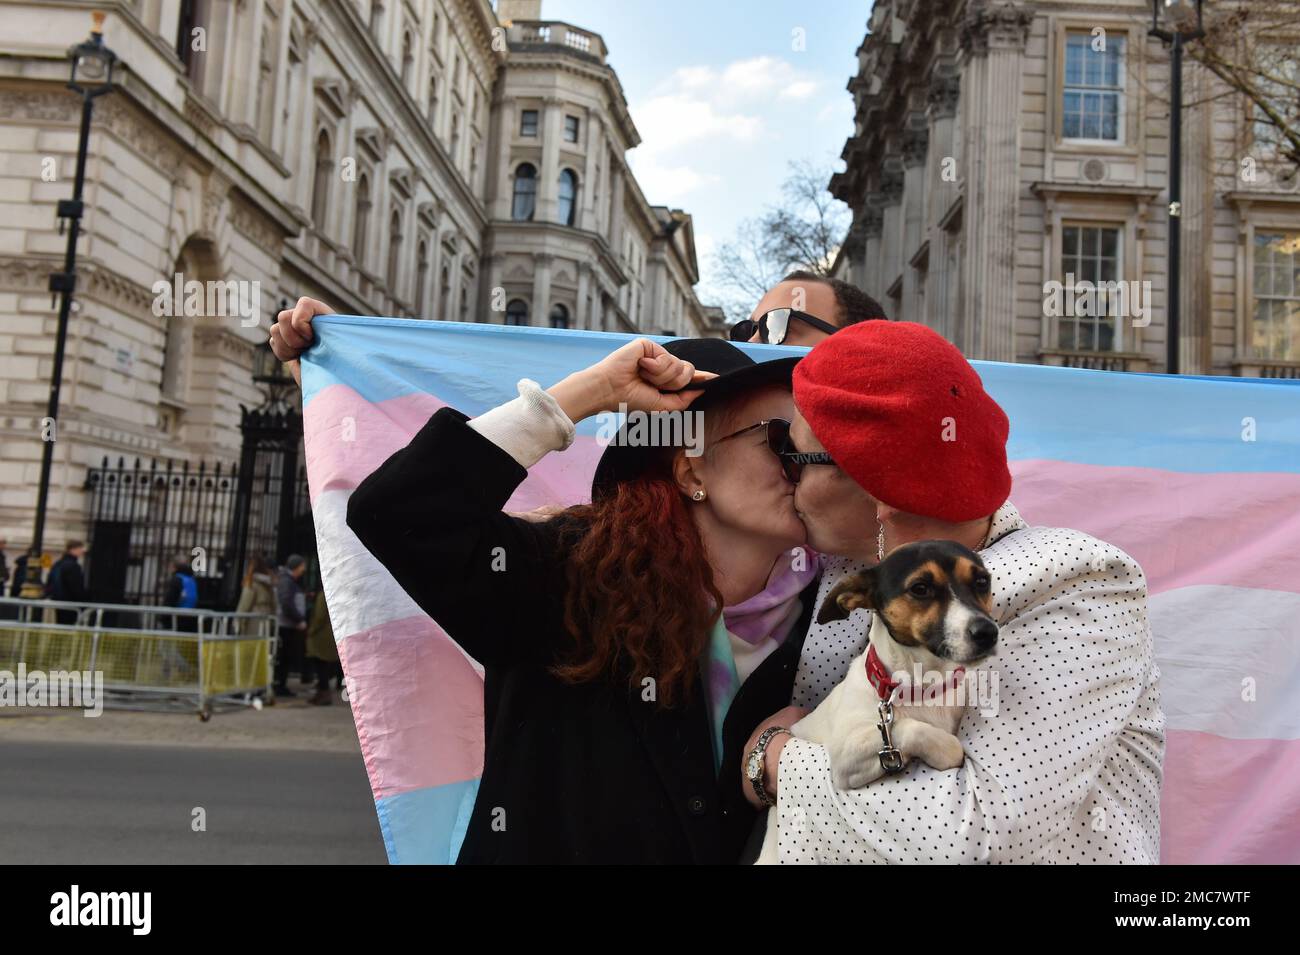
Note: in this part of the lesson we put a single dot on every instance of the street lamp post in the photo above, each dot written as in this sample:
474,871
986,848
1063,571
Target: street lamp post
92,76
1175,22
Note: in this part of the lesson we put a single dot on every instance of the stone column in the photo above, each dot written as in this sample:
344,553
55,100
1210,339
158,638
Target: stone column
587,188
279,133
993,39
248,61
891,204
615,236
306,113
942,111
502,184
540,311
494,267
548,186
916,140
872,226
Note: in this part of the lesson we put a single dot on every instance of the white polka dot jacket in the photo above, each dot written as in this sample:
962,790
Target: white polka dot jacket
1064,741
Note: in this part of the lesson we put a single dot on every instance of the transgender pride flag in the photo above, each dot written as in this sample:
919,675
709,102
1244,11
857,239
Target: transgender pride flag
1197,478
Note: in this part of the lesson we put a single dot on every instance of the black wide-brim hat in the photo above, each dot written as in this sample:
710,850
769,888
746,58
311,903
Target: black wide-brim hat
736,372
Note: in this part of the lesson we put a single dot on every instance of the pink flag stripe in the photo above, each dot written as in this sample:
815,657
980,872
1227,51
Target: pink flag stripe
348,438
418,706
1229,801
1183,528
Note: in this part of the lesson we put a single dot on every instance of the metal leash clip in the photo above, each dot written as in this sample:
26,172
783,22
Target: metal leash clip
891,759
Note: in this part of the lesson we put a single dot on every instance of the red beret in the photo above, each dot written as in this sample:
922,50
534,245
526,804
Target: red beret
905,415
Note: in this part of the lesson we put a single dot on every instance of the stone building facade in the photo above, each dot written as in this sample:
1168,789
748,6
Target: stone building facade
1002,146
364,152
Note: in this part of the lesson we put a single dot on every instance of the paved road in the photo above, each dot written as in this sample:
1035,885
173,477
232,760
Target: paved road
75,802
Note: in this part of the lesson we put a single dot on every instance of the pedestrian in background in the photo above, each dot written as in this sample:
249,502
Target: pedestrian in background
292,615
322,651
257,595
182,593
67,581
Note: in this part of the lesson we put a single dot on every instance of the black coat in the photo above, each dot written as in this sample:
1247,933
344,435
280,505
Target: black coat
572,773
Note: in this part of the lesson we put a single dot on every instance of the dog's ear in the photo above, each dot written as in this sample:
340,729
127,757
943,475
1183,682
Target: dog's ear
854,591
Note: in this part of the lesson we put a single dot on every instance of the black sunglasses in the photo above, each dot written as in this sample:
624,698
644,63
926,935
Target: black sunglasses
778,442
774,326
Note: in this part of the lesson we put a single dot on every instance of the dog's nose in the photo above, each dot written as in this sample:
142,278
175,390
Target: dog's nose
983,633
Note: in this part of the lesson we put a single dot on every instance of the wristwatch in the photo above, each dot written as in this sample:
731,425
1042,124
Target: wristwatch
755,764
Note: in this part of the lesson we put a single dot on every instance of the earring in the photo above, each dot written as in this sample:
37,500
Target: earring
880,543
698,495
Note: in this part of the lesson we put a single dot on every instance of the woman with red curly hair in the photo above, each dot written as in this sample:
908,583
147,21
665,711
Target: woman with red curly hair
629,644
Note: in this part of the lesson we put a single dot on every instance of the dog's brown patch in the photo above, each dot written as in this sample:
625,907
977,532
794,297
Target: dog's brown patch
966,571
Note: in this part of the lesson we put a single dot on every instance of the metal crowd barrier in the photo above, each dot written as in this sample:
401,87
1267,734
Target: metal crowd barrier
156,658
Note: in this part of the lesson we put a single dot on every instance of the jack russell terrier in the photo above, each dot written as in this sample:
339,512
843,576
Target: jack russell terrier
933,615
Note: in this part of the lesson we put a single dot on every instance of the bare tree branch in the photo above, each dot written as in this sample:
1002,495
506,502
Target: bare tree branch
803,231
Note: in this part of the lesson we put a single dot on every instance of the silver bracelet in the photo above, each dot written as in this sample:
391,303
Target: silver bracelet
755,765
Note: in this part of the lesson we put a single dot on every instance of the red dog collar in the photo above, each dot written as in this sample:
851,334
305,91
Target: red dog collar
885,685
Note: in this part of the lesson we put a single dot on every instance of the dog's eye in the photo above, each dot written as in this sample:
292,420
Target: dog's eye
920,589
980,583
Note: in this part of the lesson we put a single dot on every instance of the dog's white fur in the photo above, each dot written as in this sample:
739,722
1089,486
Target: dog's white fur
846,721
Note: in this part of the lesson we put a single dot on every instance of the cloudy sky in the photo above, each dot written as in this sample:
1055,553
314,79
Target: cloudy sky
724,100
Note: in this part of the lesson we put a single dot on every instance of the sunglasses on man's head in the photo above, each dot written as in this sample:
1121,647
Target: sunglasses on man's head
775,325
778,442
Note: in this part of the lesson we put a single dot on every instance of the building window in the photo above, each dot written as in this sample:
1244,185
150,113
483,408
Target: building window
1093,94
568,195
455,139
1090,254
1275,325
559,317
320,189
361,225
528,122
1277,78
376,15
421,277
408,58
464,301
394,251
517,312
433,104
525,193
193,17
444,287
571,129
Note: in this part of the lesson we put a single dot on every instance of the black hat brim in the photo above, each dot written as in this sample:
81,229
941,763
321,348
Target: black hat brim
622,462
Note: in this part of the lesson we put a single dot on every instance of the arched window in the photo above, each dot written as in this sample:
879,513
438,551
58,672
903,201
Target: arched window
464,301
444,289
320,189
394,251
517,312
559,317
361,225
421,277
408,57
568,195
525,193
433,104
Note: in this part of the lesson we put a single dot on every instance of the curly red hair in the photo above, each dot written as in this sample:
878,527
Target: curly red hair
641,600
